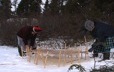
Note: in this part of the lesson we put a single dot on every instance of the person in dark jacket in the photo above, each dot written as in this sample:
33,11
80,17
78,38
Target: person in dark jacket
26,37
96,48
104,33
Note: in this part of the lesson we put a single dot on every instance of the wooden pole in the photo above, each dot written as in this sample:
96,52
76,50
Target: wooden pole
59,61
86,53
81,53
30,54
71,58
42,57
26,51
37,54
85,39
64,54
35,57
45,62
86,50
79,56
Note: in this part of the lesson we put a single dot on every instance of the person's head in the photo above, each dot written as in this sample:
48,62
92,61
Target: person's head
36,29
89,25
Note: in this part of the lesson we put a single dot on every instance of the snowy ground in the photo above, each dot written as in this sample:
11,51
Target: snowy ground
10,61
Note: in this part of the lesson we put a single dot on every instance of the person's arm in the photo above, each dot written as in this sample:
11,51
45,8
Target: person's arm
25,41
32,42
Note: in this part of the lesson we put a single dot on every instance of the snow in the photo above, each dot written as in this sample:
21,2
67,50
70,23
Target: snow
10,61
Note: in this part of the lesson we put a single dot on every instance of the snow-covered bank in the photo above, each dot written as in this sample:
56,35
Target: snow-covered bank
10,61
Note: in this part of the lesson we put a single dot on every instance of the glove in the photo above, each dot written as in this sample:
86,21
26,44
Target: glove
91,49
33,48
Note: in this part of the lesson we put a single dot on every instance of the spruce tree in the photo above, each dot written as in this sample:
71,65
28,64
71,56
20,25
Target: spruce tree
29,8
5,9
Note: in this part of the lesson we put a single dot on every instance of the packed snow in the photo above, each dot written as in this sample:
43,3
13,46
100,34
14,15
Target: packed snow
10,61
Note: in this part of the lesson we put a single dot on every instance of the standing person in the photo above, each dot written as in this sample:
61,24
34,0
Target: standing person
26,38
102,32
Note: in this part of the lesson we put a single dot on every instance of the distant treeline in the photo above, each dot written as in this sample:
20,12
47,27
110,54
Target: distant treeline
58,18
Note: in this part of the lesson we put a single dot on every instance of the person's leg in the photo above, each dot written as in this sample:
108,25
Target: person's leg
21,43
108,46
21,46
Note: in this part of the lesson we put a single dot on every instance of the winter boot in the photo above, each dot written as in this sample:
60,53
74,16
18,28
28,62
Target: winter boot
24,53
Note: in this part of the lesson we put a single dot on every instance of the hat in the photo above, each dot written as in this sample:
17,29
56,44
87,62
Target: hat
89,25
36,29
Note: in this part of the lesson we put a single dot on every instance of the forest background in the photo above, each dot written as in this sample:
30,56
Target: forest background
60,19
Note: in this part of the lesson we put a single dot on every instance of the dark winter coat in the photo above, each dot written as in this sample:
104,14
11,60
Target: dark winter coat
105,34
102,31
26,34
97,47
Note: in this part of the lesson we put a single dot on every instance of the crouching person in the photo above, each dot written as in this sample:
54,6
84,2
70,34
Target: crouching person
102,32
26,38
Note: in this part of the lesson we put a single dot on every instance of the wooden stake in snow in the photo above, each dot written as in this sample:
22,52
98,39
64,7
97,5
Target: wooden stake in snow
65,54
85,39
81,53
86,50
37,55
79,59
59,61
45,61
71,58
86,53
29,54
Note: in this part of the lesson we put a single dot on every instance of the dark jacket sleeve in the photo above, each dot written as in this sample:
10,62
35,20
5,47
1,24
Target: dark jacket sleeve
25,41
25,34
32,42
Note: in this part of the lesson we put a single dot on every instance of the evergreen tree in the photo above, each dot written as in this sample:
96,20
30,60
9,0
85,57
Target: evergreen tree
0,3
29,8
46,8
5,9
53,8
71,7
14,3
35,6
